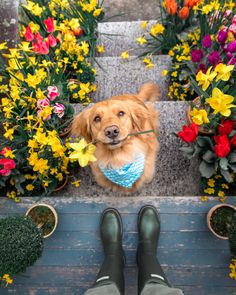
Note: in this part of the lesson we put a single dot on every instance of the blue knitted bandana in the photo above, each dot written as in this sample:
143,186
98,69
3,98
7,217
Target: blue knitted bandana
126,175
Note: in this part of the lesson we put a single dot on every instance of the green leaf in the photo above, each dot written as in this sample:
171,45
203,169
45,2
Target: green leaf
224,163
232,157
204,141
226,175
206,169
209,157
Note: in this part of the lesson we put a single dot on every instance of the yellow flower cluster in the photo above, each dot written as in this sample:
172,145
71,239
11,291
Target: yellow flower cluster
6,279
232,267
31,114
216,186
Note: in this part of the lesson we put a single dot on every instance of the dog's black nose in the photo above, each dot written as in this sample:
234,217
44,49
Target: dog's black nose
112,131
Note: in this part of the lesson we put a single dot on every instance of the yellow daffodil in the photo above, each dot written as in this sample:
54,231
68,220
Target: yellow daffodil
25,46
199,117
34,27
157,29
83,152
32,80
141,40
204,199
3,46
125,55
9,154
144,25
9,134
76,183
97,12
223,72
164,73
100,48
7,279
148,63
205,79
220,102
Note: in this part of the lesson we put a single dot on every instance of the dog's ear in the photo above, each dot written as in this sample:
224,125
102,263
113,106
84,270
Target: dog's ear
139,115
81,126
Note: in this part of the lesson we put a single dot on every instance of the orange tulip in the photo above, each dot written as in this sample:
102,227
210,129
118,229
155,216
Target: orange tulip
171,6
78,32
191,3
184,12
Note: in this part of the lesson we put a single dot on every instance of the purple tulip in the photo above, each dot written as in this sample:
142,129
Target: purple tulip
202,68
196,55
232,47
207,42
232,61
229,55
214,58
222,36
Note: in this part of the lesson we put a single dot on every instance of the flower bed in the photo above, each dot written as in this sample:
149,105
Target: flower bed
50,68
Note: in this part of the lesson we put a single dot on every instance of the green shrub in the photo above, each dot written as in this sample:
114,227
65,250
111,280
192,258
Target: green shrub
21,244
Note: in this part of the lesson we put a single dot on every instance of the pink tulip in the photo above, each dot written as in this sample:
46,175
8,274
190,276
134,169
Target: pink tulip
42,103
53,92
59,109
52,41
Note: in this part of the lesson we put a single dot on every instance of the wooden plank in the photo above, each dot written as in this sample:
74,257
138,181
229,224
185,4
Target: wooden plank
181,257
132,290
124,204
77,276
91,240
169,222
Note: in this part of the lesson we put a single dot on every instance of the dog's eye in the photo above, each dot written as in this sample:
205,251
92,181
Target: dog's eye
97,119
121,114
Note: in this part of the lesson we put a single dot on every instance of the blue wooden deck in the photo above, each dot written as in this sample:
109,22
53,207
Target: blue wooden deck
192,257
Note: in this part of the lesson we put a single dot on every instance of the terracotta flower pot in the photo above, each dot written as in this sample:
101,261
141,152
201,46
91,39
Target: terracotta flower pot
62,185
30,213
209,216
202,131
65,131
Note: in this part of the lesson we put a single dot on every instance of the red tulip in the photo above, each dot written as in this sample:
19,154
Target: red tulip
29,36
49,25
189,133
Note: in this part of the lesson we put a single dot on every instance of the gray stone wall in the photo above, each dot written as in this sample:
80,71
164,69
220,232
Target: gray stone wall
9,21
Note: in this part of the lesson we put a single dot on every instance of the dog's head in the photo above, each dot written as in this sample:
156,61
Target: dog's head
110,122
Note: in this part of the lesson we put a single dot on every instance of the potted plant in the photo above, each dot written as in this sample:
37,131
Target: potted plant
21,244
220,220
45,217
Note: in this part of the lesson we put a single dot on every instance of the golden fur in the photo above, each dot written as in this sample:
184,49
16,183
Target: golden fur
137,117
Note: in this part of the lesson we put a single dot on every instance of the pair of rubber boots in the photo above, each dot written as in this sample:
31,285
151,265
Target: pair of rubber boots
112,268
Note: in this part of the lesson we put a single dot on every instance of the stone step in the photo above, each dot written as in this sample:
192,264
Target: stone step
121,36
175,175
9,21
132,10
115,74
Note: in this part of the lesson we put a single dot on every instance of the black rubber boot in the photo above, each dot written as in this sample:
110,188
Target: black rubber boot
149,230
112,268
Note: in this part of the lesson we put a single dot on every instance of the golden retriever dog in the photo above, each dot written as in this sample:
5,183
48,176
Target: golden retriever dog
125,158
